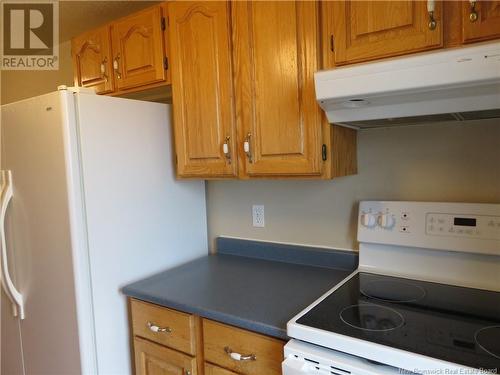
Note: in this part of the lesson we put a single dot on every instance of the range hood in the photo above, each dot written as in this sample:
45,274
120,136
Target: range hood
451,85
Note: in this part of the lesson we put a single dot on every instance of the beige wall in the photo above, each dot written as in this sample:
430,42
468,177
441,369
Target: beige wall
22,84
459,162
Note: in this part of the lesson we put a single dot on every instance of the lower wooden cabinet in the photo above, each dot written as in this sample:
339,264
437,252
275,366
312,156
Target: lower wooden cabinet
260,354
164,326
154,359
216,370
217,349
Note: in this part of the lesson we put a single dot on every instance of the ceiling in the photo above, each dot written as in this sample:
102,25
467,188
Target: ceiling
76,17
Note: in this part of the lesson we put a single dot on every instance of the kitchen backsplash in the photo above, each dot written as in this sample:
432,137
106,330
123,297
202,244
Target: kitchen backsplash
443,162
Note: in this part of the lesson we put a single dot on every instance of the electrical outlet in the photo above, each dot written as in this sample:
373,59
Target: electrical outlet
258,215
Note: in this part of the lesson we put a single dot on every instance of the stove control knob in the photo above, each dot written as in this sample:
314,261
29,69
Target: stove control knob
368,220
386,221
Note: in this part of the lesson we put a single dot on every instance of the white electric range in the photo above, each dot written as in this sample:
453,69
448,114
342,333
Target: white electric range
424,299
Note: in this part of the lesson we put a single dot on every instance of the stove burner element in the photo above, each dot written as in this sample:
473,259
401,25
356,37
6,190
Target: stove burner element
370,317
392,291
488,339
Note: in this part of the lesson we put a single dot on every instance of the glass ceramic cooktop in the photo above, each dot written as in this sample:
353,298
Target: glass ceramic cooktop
455,324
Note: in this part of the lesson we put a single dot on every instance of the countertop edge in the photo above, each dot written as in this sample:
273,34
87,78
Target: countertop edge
213,315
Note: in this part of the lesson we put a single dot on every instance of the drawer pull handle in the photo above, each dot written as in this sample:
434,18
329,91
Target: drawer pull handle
238,356
154,328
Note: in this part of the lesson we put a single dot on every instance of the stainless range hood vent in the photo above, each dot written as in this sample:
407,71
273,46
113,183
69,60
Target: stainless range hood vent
449,85
420,120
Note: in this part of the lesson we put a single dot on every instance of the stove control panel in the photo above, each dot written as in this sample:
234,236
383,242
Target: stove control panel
447,226
457,225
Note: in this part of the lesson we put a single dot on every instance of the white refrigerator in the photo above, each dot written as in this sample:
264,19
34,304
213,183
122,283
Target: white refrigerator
89,203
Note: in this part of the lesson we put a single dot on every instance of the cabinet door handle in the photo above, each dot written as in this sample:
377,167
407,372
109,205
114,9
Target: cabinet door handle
431,7
104,76
473,12
226,149
116,66
238,356
156,329
247,146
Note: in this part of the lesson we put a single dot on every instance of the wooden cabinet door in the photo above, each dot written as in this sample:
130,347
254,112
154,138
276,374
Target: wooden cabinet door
356,31
480,20
202,92
154,359
275,55
137,42
216,370
92,66
220,339
166,42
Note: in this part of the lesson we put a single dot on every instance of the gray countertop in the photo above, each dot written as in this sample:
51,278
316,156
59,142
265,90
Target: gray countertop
256,294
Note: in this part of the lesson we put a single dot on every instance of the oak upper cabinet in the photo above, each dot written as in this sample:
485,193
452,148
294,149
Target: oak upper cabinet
92,61
202,89
154,359
275,53
480,20
357,31
137,43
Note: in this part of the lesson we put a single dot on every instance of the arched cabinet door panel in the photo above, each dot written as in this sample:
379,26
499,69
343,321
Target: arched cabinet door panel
92,57
275,55
202,90
138,56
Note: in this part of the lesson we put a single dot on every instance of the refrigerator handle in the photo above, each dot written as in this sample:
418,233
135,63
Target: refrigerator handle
15,297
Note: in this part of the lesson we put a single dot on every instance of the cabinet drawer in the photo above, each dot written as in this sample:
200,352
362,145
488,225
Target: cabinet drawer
153,359
164,326
216,370
220,340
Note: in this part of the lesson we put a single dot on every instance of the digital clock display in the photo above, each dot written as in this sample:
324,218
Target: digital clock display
464,222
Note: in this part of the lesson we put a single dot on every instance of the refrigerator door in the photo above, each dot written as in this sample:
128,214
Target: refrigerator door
140,219
38,237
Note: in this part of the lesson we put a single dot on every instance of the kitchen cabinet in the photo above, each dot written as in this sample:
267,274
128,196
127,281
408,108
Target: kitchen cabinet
216,370
202,89
275,55
243,92
153,359
92,66
480,20
127,55
164,326
259,354
355,31
137,43
169,342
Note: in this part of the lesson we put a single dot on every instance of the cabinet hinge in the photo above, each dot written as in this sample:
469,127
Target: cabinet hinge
324,155
163,23
165,63
332,43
